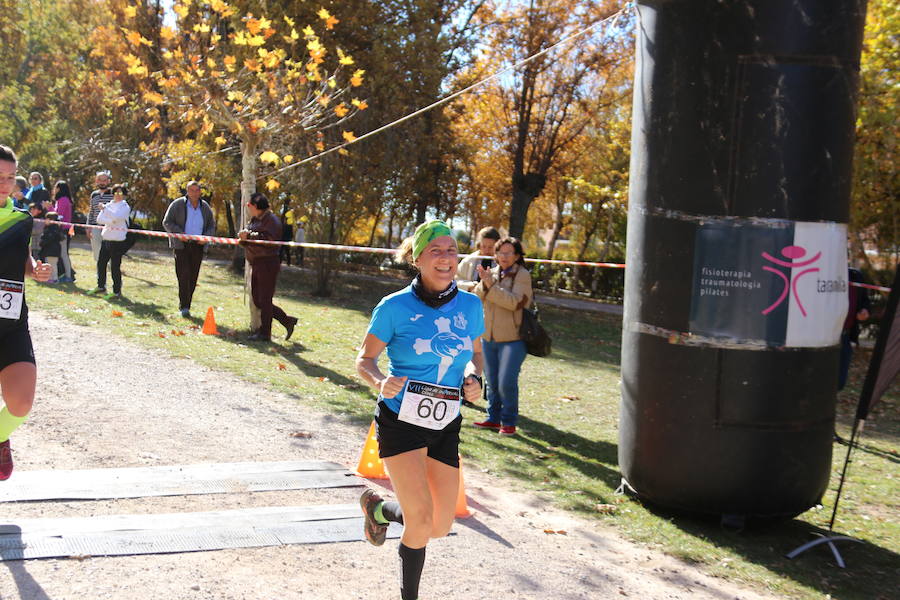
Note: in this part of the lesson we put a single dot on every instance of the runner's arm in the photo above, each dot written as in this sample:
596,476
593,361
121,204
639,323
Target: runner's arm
38,270
367,367
471,386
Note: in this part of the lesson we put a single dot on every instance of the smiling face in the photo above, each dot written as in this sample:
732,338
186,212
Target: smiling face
506,256
7,179
438,263
102,181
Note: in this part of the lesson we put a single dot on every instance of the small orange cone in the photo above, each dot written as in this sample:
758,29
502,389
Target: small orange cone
209,324
370,465
462,509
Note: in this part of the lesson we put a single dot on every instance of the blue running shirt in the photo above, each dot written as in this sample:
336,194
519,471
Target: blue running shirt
427,344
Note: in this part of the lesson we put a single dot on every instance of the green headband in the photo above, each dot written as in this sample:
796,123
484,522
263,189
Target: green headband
425,233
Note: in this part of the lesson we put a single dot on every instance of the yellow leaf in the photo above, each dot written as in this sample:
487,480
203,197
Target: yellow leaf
288,20
320,146
344,59
324,14
253,25
220,141
130,11
235,95
181,9
332,83
166,33
313,46
240,39
357,79
210,62
308,31
256,40
348,135
324,99
152,126
288,158
256,124
153,97
201,28
272,185
359,104
269,157
343,151
341,109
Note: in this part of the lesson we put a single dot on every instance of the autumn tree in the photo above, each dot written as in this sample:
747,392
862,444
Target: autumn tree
875,208
540,103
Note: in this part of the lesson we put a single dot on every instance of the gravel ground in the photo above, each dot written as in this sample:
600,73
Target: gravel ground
105,402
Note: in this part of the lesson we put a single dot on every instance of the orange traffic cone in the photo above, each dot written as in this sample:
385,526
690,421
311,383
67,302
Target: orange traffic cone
370,465
462,509
209,324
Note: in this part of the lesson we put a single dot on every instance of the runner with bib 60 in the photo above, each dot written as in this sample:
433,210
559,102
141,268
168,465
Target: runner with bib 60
18,374
432,333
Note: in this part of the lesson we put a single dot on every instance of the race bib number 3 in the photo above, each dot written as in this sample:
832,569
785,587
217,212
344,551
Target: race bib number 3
11,296
429,405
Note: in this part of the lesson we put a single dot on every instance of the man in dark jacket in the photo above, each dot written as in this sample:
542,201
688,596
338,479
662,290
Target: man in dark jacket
193,216
264,264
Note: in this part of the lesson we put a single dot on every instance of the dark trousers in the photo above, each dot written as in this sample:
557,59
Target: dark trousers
262,287
187,269
287,235
110,253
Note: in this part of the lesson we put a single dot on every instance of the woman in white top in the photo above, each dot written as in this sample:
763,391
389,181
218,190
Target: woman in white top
114,218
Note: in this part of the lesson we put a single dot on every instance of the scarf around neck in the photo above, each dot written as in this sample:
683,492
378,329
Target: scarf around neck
432,299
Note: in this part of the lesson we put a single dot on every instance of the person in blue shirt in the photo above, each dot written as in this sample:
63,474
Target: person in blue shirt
432,333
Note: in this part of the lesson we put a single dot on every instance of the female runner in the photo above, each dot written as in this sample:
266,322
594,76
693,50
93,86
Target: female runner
432,332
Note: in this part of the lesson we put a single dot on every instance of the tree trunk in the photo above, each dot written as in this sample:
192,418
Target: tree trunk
248,187
525,188
229,216
554,235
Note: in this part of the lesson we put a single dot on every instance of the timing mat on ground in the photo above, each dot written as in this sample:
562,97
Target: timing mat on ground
120,535
183,480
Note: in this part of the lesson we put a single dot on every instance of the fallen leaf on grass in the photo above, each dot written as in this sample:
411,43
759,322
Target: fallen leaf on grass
116,313
301,434
606,509
323,379
282,366
556,531
545,456
160,334
568,398
177,332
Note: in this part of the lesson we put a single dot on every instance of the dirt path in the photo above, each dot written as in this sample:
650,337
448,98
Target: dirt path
104,402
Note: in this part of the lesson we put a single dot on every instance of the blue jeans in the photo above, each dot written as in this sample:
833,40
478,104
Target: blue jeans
502,363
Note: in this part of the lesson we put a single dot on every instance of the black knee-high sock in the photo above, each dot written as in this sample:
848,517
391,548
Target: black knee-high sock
411,563
392,512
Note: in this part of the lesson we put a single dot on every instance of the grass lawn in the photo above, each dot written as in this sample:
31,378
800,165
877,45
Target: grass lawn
567,450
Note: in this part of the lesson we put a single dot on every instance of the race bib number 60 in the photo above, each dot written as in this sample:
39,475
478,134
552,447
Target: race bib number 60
11,295
429,405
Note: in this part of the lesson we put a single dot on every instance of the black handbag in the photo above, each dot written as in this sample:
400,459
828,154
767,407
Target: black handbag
537,340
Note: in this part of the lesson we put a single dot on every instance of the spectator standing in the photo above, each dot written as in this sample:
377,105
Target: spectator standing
101,195
36,210
63,207
467,275
287,232
50,246
265,265
857,311
37,193
114,218
504,290
300,238
18,193
192,215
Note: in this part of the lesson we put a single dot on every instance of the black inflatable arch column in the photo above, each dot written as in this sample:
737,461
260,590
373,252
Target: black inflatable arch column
735,288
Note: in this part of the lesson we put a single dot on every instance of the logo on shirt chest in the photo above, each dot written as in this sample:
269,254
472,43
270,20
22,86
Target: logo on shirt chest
445,343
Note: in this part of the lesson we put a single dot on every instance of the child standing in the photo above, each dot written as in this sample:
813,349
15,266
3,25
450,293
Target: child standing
51,245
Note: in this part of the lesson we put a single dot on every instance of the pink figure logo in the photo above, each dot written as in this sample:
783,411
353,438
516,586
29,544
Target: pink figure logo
790,252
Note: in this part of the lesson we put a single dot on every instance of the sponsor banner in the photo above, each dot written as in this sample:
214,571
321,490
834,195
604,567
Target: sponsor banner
784,285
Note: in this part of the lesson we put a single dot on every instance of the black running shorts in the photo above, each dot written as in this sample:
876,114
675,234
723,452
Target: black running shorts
15,346
396,437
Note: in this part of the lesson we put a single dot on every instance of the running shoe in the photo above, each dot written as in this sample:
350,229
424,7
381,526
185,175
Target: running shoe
487,425
95,291
113,296
186,313
508,430
6,461
375,532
